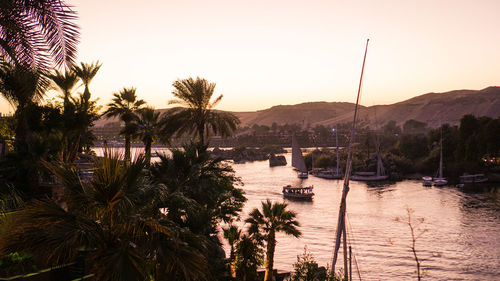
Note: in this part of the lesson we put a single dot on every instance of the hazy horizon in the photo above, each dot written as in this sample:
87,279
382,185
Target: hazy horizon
267,53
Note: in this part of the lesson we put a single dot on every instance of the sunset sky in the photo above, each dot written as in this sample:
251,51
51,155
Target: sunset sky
265,53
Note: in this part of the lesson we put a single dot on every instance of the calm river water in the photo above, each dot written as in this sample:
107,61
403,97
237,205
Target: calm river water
461,242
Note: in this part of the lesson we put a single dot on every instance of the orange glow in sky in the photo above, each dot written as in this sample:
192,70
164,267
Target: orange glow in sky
265,53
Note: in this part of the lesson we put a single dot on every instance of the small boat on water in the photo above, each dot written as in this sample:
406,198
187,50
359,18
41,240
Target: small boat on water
471,180
440,180
372,176
298,193
427,181
331,173
298,160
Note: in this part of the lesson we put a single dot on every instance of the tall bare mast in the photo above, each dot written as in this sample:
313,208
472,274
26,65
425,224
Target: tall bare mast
341,229
337,149
441,155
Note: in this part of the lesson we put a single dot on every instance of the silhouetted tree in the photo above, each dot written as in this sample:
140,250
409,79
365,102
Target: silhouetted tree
199,116
274,218
124,105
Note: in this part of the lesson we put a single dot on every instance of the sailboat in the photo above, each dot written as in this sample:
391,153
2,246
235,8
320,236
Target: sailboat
379,175
298,160
341,232
440,180
337,173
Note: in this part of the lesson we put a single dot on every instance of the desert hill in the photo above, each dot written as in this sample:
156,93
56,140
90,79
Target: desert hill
431,108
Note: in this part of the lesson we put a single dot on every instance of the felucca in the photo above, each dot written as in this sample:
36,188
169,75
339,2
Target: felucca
337,173
440,180
341,233
297,159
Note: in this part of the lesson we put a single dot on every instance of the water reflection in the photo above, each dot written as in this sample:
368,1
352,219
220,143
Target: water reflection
461,243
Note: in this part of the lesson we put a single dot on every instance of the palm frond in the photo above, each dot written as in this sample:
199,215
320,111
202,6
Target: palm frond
38,33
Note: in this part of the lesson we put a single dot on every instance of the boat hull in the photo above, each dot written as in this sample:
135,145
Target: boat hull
308,197
440,182
302,175
472,181
368,178
330,176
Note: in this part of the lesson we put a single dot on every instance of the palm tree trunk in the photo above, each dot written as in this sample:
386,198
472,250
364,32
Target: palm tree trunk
232,259
21,129
271,245
127,148
147,151
66,102
201,133
86,97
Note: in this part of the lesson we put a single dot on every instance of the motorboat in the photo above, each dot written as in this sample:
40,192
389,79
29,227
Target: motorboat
298,193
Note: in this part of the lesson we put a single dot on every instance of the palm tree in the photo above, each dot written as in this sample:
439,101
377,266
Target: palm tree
112,219
64,82
84,112
37,33
22,87
86,72
124,105
148,129
202,193
274,218
232,235
248,257
198,116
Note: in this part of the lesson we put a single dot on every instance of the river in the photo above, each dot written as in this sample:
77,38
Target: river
462,230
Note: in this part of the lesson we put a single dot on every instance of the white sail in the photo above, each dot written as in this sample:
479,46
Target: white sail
297,158
380,164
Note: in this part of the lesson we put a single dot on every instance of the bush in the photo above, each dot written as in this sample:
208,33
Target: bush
306,269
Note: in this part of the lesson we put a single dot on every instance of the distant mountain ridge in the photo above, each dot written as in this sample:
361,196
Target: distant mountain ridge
432,108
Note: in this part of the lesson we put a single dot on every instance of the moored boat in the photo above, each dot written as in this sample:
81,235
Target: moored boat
372,176
329,174
440,180
472,180
427,181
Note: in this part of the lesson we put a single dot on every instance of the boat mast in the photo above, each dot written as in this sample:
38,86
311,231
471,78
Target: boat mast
380,164
441,156
341,227
337,148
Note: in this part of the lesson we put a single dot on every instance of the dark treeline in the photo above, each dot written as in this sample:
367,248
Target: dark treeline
471,147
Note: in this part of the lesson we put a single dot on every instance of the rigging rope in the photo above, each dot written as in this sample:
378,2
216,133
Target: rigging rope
352,241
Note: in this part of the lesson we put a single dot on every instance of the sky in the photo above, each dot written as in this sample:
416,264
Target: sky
262,53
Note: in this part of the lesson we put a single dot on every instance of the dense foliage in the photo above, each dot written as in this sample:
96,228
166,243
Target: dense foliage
113,221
